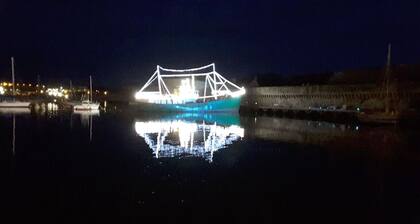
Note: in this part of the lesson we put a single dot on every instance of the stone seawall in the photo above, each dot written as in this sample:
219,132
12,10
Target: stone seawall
329,97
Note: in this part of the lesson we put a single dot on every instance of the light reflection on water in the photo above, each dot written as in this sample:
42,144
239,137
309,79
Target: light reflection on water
86,116
13,112
343,164
300,131
200,135
86,119
186,135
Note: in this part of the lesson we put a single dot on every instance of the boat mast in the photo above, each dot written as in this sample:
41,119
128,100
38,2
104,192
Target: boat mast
71,88
91,94
158,78
387,79
13,75
214,80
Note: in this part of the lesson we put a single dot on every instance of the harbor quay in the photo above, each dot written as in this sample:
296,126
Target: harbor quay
338,101
329,98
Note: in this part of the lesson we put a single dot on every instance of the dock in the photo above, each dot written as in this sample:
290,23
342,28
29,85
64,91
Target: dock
329,99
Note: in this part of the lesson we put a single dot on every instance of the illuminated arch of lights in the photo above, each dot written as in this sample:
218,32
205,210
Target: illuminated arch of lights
215,85
179,138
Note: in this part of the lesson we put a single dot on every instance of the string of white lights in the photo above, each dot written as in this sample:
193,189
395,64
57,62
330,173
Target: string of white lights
218,85
186,70
186,74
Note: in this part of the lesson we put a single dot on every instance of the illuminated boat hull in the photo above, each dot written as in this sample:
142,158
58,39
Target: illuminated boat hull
222,105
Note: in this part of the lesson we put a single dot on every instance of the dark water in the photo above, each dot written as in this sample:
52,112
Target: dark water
112,167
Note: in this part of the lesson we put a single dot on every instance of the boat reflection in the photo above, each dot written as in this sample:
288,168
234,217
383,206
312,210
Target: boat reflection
86,116
50,109
86,119
14,113
378,141
299,131
185,135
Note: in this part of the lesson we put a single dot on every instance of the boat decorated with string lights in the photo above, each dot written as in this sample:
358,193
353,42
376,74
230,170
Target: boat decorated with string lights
189,90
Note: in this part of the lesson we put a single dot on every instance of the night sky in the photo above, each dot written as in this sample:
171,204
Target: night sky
120,42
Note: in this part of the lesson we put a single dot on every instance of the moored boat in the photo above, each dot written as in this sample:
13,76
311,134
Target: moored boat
87,105
188,90
390,114
13,103
15,110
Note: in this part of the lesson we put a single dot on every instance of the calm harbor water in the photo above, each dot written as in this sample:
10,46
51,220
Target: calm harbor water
59,166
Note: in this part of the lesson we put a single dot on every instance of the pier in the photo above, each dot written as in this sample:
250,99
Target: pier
347,99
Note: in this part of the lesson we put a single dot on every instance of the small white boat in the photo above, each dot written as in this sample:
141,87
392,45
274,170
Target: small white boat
14,110
13,103
87,105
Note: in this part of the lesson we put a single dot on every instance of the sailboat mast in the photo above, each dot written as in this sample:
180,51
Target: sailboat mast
388,65
13,74
91,94
387,79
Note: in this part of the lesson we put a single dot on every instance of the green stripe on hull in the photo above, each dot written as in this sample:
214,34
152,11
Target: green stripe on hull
223,105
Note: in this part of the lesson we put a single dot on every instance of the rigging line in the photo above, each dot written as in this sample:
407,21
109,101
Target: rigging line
234,85
151,79
185,70
186,74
